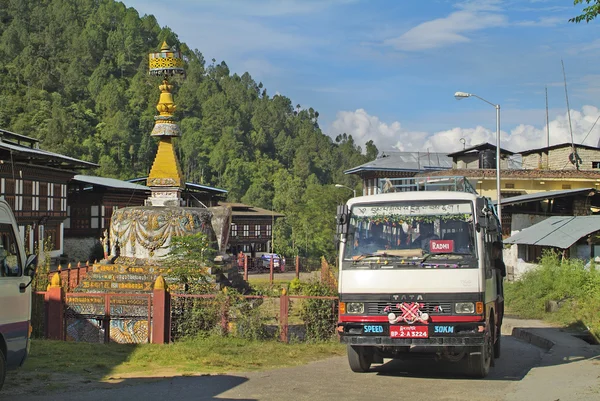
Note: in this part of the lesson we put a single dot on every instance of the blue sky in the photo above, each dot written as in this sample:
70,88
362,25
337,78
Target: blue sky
387,69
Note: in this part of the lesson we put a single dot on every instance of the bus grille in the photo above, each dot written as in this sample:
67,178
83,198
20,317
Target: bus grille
432,308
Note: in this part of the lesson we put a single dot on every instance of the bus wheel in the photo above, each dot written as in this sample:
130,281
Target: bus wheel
2,368
359,358
480,359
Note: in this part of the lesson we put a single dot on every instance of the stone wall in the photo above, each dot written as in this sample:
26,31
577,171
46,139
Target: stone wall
80,249
581,206
471,161
559,159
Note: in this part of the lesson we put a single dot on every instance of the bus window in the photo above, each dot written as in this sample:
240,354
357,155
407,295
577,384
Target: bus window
10,264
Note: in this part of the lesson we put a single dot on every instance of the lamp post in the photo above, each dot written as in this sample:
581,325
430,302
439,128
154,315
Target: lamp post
343,186
463,95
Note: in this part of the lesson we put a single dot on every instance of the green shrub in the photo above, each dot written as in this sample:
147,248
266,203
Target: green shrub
575,287
319,315
295,286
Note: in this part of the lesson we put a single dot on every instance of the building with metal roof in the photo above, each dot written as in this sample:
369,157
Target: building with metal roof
108,183
196,195
547,195
572,235
557,231
251,229
34,182
397,165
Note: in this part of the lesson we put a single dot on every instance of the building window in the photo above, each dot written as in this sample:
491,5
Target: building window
50,197
268,230
257,230
19,195
509,185
595,164
234,230
566,186
95,214
246,232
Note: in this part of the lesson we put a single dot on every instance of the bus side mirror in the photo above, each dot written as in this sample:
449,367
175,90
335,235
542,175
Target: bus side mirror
342,219
30,265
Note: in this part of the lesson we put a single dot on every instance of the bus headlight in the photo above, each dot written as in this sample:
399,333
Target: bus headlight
464,307
355,308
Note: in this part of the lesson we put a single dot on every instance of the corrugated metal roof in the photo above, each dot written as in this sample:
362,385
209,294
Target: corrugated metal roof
405,161
557,231
558,145
189,185
48,155
546,195
205,187
481,146
109,182
247,210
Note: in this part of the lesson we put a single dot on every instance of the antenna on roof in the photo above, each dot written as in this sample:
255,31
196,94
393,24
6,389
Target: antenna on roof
573,157
547,131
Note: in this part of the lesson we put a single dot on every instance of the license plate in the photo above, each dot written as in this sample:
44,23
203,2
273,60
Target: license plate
409,331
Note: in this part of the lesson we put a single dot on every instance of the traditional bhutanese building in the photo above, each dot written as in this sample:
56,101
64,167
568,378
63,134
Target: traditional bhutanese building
34,182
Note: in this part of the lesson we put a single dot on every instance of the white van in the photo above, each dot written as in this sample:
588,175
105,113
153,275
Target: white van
16,275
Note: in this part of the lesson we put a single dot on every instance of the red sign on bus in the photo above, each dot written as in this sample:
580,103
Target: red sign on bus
441,245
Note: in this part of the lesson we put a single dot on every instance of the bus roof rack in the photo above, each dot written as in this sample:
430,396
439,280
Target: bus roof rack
438,183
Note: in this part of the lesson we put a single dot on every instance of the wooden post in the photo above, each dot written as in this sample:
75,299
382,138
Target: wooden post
245,267
271,269
161,316
298,267
284,307
54,300
106,320
225,314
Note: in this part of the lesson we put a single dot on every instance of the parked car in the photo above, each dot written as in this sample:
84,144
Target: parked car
266,260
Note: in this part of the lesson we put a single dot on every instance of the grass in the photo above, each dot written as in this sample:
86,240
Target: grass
213,354
568,282
64,366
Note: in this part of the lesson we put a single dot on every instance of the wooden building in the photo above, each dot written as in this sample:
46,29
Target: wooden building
90,204
195,195
34,183
251,229
397,165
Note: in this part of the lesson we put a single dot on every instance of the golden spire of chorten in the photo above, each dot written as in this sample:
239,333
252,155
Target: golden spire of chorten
165,178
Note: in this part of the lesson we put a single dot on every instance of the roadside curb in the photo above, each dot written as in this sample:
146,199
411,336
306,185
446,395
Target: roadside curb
532,338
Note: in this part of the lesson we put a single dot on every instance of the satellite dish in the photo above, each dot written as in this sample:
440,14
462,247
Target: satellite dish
574,158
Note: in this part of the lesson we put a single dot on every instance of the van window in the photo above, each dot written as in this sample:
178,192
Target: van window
10,263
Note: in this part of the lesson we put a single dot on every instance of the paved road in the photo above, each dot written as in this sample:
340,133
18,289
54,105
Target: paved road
524,372
330,380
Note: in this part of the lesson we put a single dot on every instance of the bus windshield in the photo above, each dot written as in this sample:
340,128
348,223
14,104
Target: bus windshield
422,230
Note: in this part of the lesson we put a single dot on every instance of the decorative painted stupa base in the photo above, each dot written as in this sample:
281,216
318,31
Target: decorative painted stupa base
145,232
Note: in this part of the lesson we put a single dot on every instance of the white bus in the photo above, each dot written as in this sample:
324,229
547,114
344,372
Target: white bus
16,275
417,275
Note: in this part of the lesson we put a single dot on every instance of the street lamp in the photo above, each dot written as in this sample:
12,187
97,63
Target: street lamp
343,186
463,95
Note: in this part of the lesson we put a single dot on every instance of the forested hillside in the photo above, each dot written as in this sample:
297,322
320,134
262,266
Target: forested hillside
73,73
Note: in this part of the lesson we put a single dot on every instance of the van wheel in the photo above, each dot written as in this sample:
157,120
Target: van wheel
2,368
480,360
359,358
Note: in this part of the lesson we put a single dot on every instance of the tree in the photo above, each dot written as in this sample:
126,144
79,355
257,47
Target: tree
589,13
74,74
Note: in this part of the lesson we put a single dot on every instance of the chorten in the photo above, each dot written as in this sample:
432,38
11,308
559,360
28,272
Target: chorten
145,232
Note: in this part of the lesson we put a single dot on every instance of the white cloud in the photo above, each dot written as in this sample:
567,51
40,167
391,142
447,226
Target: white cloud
364,127
440,32
542,22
